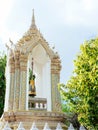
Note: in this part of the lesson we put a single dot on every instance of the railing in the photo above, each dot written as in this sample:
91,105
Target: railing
34,127
37,103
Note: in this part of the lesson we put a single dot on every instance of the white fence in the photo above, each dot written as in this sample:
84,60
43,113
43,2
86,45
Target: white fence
72,128
21,127
46,127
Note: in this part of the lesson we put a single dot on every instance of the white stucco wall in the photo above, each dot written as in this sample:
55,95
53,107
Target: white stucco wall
47,84
27,88
7,75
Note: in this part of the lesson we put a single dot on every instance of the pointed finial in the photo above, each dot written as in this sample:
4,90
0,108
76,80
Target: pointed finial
71,127
46,127
33,18
33,21
6,127
59,127
20,126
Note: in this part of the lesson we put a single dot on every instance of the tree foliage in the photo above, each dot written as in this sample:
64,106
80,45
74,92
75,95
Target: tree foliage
2,82
81,91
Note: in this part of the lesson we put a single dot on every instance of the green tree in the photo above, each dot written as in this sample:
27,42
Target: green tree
2,82
81,91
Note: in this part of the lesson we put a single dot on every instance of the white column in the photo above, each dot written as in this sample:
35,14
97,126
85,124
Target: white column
12,79
7,75
9,96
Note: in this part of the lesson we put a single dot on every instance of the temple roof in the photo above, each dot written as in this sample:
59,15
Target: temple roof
32,38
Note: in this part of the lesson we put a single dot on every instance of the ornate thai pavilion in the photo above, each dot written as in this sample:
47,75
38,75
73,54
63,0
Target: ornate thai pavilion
32,75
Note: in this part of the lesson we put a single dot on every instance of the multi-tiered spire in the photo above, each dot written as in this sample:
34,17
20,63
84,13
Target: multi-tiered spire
33,25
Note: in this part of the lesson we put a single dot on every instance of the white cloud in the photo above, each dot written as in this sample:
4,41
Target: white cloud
69,12
5,8
6,34
75,12
88,5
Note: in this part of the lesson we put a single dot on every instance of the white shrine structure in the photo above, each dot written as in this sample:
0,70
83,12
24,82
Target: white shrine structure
32,75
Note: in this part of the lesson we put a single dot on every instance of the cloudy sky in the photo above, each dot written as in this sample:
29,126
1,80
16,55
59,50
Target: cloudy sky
65,24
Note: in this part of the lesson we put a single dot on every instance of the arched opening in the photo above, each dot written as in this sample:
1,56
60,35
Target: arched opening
42,71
